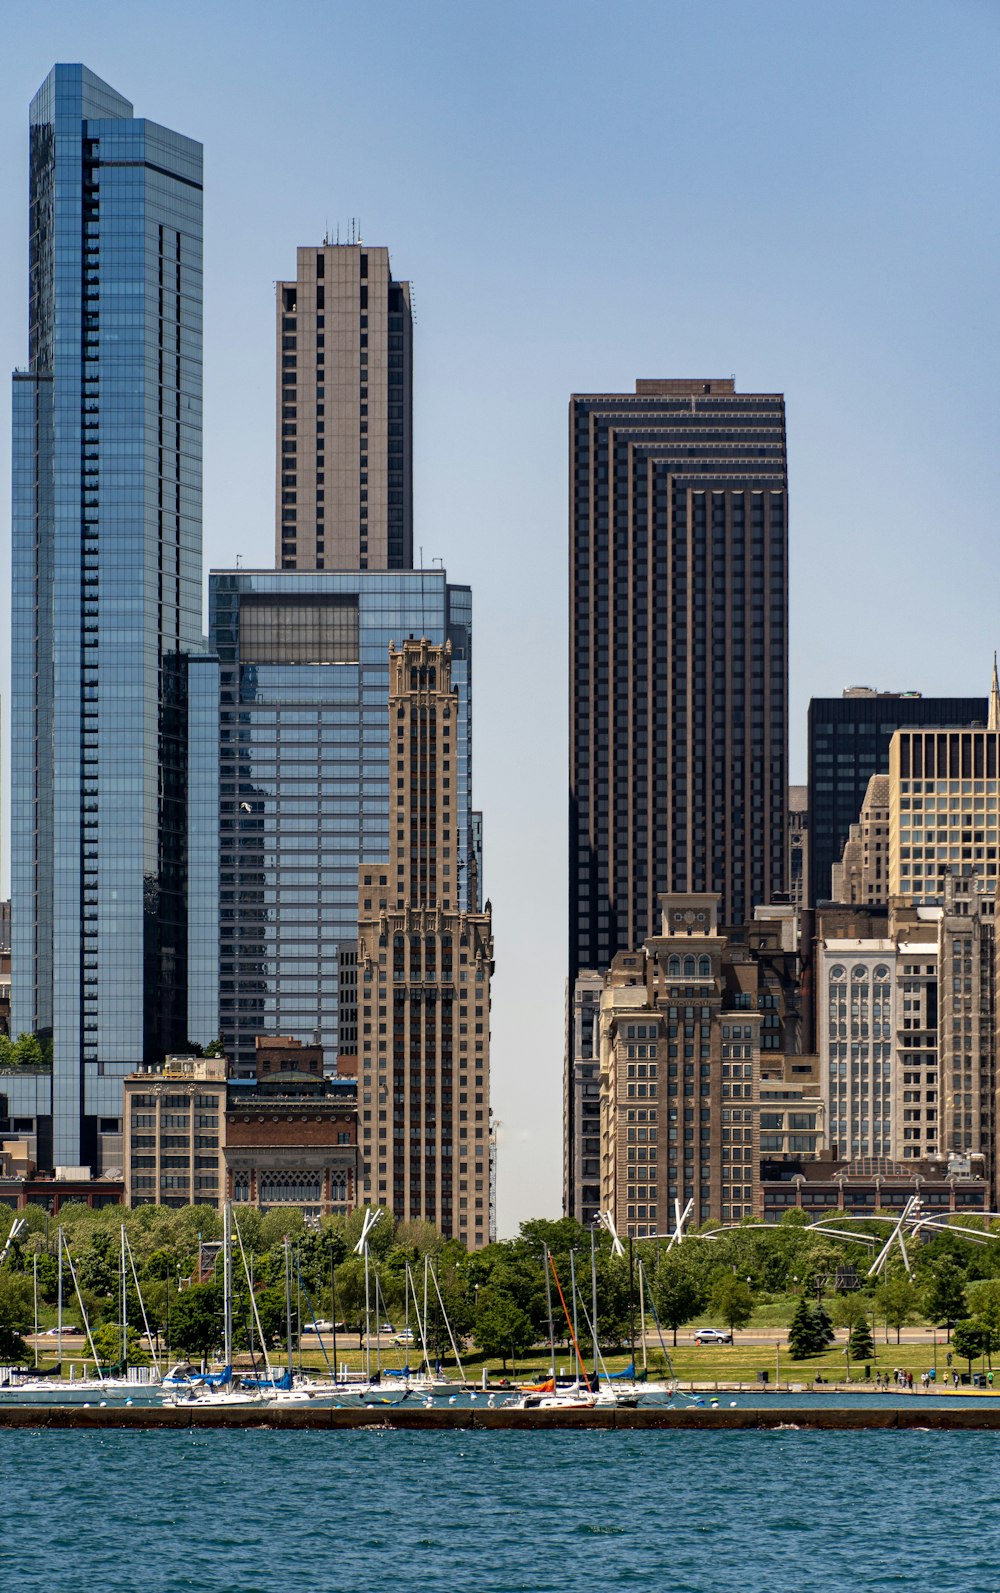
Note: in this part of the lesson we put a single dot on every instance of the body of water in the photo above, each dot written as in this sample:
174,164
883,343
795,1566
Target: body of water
678,1512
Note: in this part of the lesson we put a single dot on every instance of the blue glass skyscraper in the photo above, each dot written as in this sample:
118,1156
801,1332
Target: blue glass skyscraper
289,791
106,596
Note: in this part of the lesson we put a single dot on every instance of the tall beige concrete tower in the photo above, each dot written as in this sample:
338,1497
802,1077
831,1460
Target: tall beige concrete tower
344,468
424,973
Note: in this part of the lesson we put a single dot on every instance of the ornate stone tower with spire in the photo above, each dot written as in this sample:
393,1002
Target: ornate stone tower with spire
424,971
993,723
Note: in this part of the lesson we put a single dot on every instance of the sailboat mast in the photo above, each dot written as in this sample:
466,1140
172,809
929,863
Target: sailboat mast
548,1303
288,1303
59,1248
642,1313
572,1284
333,1308
427,1262
124,1306
368,1319
593,1292
227,1282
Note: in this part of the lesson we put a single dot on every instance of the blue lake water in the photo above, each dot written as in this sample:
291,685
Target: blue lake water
364,1512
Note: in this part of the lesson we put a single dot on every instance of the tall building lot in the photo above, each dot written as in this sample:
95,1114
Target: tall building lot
106,602
345,413
425,965
678,663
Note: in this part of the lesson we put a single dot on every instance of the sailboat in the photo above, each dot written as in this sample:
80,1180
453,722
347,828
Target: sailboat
221,1389
547,1395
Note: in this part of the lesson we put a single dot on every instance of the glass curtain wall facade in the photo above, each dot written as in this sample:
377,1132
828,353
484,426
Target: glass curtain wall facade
292,714
849,740
106,594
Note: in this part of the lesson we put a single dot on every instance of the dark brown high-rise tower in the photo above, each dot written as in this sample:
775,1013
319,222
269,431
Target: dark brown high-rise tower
678,658
345,413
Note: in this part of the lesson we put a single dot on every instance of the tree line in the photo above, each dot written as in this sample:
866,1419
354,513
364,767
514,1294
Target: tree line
496,1297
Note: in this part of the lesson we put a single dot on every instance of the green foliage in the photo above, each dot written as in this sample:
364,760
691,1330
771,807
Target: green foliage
810,1331
861,1343
16,1316
108,1344
501,1328
196,1325
898,1301
968,1339
678,1290
824,1326
731,1300
944,1296
26,1051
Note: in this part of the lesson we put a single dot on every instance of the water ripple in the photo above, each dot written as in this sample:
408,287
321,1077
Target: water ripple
676,1512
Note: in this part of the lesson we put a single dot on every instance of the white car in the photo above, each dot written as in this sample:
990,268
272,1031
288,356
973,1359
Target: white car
713,1336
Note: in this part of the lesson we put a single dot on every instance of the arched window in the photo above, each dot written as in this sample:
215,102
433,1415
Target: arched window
859,972
689,967
674,968
837,973
705,967
881,972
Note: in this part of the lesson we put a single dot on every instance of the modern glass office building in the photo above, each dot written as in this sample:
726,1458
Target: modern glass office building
106,596
849,739
289,791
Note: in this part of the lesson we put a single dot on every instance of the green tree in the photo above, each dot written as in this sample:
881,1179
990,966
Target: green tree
804,1336
823,1325
968,1340
898,1301
16,1316
351,1293
861,1343
944,1297
732,1300
501,1328
678,1290
196,1325
6,1051
108,1344
28,1052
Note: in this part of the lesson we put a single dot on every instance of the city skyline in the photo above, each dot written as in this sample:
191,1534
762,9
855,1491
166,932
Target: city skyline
830,302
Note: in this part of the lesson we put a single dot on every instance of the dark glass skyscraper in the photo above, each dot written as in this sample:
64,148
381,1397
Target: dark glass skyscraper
289,792
678,658
849,740
106,595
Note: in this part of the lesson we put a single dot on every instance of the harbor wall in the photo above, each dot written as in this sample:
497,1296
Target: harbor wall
910,1417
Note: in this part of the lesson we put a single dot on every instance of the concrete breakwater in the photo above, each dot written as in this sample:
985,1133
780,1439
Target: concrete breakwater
404,1418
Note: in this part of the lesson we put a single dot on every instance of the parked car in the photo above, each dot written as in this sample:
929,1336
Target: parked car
404,1336
67,1328
713,1336
317,1327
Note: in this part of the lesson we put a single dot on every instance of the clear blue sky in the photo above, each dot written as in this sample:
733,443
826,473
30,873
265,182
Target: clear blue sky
804,196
